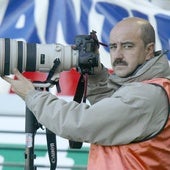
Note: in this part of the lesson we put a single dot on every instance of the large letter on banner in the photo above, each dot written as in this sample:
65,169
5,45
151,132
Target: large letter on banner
17,10
163,24
63,12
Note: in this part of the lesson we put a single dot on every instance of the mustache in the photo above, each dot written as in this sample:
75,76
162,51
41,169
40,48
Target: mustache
119,62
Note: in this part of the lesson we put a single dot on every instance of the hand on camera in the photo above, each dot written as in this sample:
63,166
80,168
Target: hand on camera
21,86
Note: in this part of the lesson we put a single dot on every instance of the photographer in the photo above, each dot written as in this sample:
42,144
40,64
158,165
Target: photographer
128,122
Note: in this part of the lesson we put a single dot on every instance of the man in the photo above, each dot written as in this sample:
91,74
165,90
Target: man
128,122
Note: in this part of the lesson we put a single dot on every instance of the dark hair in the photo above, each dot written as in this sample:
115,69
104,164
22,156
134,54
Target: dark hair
147,33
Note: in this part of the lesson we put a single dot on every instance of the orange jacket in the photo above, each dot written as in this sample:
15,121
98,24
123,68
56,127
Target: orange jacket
152,154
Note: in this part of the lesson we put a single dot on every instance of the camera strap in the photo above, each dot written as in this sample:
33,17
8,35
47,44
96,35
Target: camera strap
52,149
52,72
50,136
80,96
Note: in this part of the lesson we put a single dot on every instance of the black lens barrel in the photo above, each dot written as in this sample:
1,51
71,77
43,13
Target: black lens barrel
7,57
20,56
31,57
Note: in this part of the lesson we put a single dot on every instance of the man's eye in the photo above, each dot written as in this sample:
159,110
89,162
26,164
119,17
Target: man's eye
113,46
127,46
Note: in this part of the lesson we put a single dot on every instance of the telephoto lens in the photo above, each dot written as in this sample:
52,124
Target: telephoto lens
34,57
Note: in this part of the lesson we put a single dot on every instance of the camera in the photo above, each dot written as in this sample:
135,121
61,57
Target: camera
88,58
40,57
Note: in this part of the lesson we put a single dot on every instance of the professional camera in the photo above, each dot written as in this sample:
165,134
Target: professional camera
40,57
88,58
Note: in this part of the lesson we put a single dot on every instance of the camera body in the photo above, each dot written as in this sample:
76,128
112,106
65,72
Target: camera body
87,45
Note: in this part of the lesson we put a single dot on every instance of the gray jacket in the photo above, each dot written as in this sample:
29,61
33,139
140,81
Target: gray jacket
122,110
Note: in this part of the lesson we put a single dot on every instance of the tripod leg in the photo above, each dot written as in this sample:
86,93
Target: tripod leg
29,152
31,125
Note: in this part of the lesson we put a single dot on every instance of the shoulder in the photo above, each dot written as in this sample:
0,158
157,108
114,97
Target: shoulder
146,96
140,89
150,100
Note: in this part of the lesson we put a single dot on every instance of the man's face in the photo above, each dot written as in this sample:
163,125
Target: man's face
127,49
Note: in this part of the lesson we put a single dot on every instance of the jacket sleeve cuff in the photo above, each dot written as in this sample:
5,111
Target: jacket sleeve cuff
32,94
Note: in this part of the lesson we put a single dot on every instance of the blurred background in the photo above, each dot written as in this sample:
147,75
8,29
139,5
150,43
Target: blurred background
59,21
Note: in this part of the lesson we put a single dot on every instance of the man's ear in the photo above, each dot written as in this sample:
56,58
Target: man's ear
150,48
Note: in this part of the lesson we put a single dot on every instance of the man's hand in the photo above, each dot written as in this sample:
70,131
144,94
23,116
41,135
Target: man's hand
21,86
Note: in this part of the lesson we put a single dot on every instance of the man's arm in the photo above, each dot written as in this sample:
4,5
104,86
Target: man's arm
132,113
